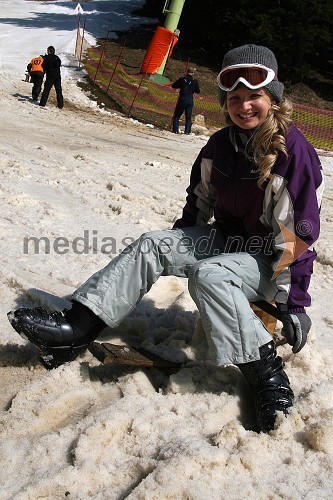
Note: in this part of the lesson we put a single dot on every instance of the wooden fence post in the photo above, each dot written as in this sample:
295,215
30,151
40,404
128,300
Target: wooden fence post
77,33
84,27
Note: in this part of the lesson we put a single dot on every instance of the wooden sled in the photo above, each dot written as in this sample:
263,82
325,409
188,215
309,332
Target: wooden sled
269,314
127,355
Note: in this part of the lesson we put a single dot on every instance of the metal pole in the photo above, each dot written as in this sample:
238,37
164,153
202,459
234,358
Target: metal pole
102,54
168,54
174,9
117,62
136,93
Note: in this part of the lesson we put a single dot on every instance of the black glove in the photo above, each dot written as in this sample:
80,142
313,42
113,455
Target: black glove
295,329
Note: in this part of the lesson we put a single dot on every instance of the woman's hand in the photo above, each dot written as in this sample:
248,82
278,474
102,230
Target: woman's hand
295,329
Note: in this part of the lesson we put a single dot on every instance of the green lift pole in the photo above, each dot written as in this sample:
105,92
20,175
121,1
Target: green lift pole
173,9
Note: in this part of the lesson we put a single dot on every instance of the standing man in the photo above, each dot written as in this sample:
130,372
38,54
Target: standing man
51,66
188,86
36,72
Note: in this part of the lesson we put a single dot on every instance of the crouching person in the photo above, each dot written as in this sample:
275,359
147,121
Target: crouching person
262,182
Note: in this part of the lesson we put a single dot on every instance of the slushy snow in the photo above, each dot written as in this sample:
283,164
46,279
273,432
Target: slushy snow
89,181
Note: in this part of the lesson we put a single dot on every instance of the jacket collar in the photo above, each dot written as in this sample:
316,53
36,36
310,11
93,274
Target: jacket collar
240,139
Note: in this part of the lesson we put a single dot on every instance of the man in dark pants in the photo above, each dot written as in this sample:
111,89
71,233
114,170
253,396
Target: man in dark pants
51,66
36,72
188,86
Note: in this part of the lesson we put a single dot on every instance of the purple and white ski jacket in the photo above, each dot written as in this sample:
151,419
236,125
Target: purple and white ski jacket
285,212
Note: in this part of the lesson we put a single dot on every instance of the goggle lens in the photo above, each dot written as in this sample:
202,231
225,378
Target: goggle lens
255,76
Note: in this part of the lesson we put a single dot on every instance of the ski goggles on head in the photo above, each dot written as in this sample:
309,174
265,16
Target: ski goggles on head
254,76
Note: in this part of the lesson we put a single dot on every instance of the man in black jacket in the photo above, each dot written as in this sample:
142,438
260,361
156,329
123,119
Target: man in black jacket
51,66
188,86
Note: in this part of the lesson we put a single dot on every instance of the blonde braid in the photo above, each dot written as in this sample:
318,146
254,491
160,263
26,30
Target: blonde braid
269,139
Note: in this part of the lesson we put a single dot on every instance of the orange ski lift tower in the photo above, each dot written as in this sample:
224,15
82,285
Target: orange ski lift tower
163,42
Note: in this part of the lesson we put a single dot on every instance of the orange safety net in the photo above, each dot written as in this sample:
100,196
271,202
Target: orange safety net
161,45
153,103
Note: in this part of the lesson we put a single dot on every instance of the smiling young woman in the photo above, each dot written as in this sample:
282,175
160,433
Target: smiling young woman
253,189
248,108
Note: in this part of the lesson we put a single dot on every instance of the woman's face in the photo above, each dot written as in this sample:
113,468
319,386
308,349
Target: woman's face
248,108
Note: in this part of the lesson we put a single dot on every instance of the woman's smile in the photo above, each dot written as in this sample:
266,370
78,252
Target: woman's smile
248,108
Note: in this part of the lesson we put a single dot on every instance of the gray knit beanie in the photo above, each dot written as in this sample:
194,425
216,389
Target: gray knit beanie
254,54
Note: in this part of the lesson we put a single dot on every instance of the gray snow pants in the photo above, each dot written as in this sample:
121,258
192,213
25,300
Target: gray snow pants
221,284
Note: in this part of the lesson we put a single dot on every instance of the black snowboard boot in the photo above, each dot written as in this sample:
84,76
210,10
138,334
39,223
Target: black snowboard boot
270,386
59,336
